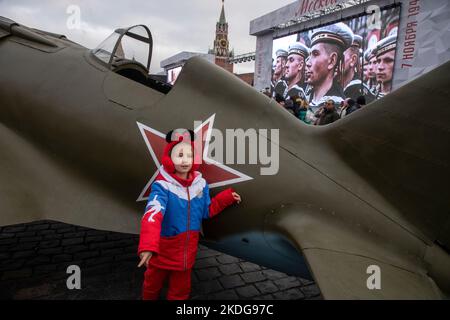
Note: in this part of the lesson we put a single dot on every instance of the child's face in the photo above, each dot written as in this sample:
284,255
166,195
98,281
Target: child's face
182,157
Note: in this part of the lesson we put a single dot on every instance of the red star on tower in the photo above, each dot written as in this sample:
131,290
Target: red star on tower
215,173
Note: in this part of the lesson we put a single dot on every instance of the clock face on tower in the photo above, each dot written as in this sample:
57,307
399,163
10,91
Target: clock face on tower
223,43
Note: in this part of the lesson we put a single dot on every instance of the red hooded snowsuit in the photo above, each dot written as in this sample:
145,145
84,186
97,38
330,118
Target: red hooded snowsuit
171,224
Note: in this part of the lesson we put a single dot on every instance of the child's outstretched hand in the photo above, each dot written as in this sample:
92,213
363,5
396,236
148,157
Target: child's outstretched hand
236,197
145,258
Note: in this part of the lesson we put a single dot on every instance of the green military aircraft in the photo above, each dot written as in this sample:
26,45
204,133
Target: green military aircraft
361,206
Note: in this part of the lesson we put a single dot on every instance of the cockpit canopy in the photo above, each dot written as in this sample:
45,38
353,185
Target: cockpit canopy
128,52
127,49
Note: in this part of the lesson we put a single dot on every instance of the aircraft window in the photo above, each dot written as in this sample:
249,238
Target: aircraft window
104,49
132,45
128,52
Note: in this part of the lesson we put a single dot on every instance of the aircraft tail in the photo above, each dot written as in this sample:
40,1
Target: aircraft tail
401,146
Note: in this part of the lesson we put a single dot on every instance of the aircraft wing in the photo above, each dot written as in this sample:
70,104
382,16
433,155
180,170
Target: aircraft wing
339,255
36,186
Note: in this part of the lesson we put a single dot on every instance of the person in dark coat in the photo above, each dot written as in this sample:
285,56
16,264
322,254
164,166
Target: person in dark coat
291,106
327,114
349,107
361,101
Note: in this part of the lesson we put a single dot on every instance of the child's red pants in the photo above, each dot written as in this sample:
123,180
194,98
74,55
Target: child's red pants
179,283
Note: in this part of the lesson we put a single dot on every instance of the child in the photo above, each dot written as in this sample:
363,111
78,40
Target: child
178,202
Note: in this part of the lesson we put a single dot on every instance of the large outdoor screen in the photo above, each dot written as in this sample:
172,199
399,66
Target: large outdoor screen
346,59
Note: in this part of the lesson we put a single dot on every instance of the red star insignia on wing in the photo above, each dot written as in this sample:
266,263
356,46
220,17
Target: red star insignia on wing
215,173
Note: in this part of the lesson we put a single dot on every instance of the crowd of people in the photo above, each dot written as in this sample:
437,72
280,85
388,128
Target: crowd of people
327,113
326,75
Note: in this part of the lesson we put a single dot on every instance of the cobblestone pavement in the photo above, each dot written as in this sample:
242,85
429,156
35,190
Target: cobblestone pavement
34,258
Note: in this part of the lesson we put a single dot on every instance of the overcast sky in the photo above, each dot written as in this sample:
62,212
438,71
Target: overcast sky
176,25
